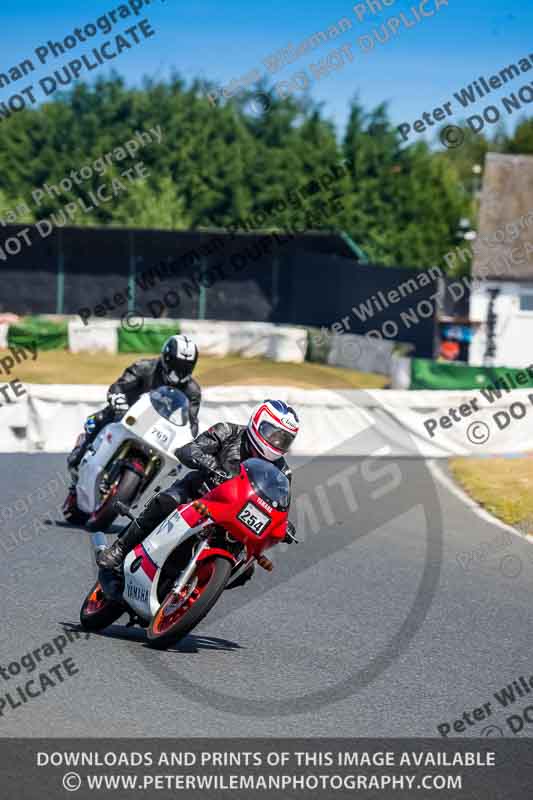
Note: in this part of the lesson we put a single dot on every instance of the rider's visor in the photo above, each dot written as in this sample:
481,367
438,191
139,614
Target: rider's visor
278,438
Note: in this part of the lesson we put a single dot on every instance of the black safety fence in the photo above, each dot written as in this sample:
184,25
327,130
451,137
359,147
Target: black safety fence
311,279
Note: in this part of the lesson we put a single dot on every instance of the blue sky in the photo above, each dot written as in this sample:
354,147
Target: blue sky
416,70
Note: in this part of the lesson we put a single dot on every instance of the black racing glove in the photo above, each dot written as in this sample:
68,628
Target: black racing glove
217,476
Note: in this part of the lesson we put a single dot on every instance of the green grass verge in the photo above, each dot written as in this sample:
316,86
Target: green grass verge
60,366
503,486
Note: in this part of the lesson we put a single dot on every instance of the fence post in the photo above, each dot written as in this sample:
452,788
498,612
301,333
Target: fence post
60,283
356,250
202,297
132,271
275,285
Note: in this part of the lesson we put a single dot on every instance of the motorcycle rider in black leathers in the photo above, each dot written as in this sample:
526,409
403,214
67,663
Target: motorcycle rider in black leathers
174,367
214,456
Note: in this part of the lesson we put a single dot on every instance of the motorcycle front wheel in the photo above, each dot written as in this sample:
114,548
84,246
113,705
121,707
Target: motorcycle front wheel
179,614
124,490
72,513
98,611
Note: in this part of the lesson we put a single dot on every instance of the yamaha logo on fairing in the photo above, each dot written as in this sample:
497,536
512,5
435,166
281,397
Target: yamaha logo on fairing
261,502
137,593
136,564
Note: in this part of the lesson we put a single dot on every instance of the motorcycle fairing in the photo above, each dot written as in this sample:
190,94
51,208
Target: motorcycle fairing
149,431
141,578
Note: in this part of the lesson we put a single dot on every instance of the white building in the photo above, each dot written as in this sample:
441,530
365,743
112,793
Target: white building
501,300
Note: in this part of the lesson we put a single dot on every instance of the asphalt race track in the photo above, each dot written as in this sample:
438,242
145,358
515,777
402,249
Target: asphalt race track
401,610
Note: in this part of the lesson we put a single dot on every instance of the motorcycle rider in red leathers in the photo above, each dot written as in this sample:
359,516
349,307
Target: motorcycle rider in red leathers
214,456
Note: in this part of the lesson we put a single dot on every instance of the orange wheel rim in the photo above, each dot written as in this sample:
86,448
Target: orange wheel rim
174,607
96,601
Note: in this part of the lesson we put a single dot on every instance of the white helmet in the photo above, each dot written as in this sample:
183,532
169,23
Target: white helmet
178,358
272,428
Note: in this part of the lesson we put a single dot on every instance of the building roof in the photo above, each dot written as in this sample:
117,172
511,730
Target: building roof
504,246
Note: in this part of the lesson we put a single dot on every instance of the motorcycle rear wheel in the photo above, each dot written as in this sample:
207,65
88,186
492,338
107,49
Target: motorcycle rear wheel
178,615
98,611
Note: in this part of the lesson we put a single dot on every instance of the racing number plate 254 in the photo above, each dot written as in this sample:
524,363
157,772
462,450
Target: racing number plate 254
253,518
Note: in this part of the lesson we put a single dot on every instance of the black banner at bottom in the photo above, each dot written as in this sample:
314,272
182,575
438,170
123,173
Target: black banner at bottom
271,768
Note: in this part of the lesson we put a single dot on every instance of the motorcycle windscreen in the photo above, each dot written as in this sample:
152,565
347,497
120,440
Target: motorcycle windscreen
171,404
269,482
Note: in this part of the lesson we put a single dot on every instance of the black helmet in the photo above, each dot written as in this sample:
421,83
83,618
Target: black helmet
178,358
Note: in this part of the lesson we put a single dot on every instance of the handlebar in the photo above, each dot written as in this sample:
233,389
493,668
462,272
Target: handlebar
220,476
124,509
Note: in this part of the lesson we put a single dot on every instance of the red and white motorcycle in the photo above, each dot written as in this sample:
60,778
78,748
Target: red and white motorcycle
174,578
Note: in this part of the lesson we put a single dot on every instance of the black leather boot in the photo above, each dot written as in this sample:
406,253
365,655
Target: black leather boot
74,458
113,556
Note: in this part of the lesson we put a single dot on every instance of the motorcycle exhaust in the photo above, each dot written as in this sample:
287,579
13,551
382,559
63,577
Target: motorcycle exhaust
99,543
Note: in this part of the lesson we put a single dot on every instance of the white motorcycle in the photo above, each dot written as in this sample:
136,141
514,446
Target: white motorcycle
127,456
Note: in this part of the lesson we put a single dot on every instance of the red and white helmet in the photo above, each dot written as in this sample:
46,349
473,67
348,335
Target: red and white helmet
272,428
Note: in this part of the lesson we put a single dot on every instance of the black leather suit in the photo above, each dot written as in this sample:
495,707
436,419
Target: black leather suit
223,448
140,377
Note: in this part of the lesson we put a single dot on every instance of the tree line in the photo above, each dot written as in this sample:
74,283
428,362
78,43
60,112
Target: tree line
217,164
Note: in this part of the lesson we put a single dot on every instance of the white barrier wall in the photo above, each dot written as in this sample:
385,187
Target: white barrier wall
14,426
400,372
4,327
213,337
416,423
102,337
364,353
247,339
